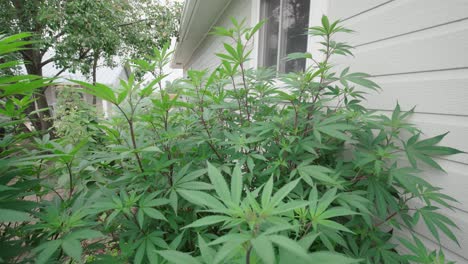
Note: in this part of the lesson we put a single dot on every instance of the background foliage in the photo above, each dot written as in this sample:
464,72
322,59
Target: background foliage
73,116
76,35
231,167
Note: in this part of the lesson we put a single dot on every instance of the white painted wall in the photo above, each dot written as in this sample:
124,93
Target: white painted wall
204,56
417,51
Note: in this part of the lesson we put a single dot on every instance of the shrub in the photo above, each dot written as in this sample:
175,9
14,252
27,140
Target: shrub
240,166
73,115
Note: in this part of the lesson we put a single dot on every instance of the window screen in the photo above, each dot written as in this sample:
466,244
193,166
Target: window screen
284,33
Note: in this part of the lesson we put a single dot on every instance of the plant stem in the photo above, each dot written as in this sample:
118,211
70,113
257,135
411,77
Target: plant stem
238,100
132,136
247,256
241,65
210,143
70,180
296,117
320,87
306,231
386,219
205,125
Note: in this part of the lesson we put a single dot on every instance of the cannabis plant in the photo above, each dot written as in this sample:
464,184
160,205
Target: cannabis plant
234,165
73,116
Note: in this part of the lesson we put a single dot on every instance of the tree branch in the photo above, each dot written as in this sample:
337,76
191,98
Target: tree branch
26,55
82,56
133,22
44,63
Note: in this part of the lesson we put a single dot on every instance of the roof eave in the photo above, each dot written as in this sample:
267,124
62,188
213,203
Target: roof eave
197,20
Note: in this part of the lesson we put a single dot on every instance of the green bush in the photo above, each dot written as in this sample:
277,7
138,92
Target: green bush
73,116
236,166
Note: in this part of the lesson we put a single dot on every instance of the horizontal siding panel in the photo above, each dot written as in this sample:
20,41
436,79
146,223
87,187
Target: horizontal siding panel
443,92
457,126
416,51
460,218
342,9
438,48
432,125
449,254
401,17
454,181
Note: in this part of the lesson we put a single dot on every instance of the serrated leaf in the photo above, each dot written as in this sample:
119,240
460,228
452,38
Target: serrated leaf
334,225
330,257
202,199
8,215
85,234
219,183
335,212
299,55
207,253
72,247
225,250
282,193
425,150
264,249
236,185
99,90
178,257
151,253
289,245
267,191
47,249
140,253
208,220
153,213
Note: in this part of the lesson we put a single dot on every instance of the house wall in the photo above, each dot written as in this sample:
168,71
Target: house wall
417,50
204,56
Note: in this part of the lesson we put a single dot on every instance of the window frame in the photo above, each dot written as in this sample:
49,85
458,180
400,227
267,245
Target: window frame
317,9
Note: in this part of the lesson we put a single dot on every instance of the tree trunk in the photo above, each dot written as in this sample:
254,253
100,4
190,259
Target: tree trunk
45,116
41,120
32,57
95,61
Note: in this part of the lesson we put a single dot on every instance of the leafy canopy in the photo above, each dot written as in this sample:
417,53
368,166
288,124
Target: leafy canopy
226,168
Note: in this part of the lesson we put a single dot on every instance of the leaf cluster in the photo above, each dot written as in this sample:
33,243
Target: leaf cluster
225,167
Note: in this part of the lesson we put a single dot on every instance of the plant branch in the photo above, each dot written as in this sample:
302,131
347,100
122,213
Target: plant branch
386,219
132,136
70,179
241,65
238,99
247,256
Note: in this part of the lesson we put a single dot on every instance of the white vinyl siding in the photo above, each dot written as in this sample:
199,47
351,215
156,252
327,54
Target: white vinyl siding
417,50
204,56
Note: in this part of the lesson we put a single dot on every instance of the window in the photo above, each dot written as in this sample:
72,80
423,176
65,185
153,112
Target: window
284,33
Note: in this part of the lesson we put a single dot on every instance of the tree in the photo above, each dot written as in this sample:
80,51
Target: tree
74,34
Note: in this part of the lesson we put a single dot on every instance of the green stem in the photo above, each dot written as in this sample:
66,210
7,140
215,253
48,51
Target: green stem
241,65
238,100
132,136
247,256
70,179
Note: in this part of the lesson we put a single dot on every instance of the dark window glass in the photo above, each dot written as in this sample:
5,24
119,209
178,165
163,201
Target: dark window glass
271,33
284,33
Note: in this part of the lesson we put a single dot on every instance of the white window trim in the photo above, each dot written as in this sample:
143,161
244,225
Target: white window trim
317,9
255,19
